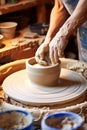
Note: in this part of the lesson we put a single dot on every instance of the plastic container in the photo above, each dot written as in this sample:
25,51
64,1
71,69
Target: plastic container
53,121
16,119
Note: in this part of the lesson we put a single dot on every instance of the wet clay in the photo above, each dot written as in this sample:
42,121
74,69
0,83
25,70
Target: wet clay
13,120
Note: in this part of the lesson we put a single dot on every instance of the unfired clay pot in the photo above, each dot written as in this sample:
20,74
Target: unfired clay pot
8,29
42,75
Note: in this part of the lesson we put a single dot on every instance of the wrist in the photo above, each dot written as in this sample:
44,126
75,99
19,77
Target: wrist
47,40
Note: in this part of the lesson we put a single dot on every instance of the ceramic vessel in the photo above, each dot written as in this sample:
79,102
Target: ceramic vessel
61,120
42,75
8,29
16,119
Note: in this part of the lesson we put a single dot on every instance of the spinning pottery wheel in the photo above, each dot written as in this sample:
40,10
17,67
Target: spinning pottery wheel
70,89
76,104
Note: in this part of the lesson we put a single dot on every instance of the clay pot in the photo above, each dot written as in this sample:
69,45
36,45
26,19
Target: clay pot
42,75
16,119
8,29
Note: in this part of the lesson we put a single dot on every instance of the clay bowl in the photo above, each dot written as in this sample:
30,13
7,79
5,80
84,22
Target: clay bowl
42,75
16,120
8,29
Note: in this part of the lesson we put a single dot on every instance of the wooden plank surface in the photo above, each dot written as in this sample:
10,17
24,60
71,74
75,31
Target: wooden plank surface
20,47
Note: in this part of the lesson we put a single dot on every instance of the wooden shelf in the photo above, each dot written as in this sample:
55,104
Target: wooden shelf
23,4
10,52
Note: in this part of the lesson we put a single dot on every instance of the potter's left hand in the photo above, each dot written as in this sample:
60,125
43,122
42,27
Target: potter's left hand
57,46
41,53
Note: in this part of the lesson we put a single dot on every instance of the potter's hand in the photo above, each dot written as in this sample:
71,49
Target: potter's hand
41,53
57,46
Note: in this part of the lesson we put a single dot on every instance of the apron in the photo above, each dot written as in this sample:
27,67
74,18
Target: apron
70,5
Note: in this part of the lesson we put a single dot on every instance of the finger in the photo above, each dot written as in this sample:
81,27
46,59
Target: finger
37,59
60,53
51,55
37,53
41,55
56,57
41,62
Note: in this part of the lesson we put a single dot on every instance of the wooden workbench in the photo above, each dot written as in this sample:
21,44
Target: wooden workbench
20,47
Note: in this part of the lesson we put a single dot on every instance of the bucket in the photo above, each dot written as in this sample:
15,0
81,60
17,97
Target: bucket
7,29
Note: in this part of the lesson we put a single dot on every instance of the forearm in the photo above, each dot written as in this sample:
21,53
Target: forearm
57,19
78,17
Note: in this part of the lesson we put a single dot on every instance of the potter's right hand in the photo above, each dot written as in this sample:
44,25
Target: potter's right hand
41,53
